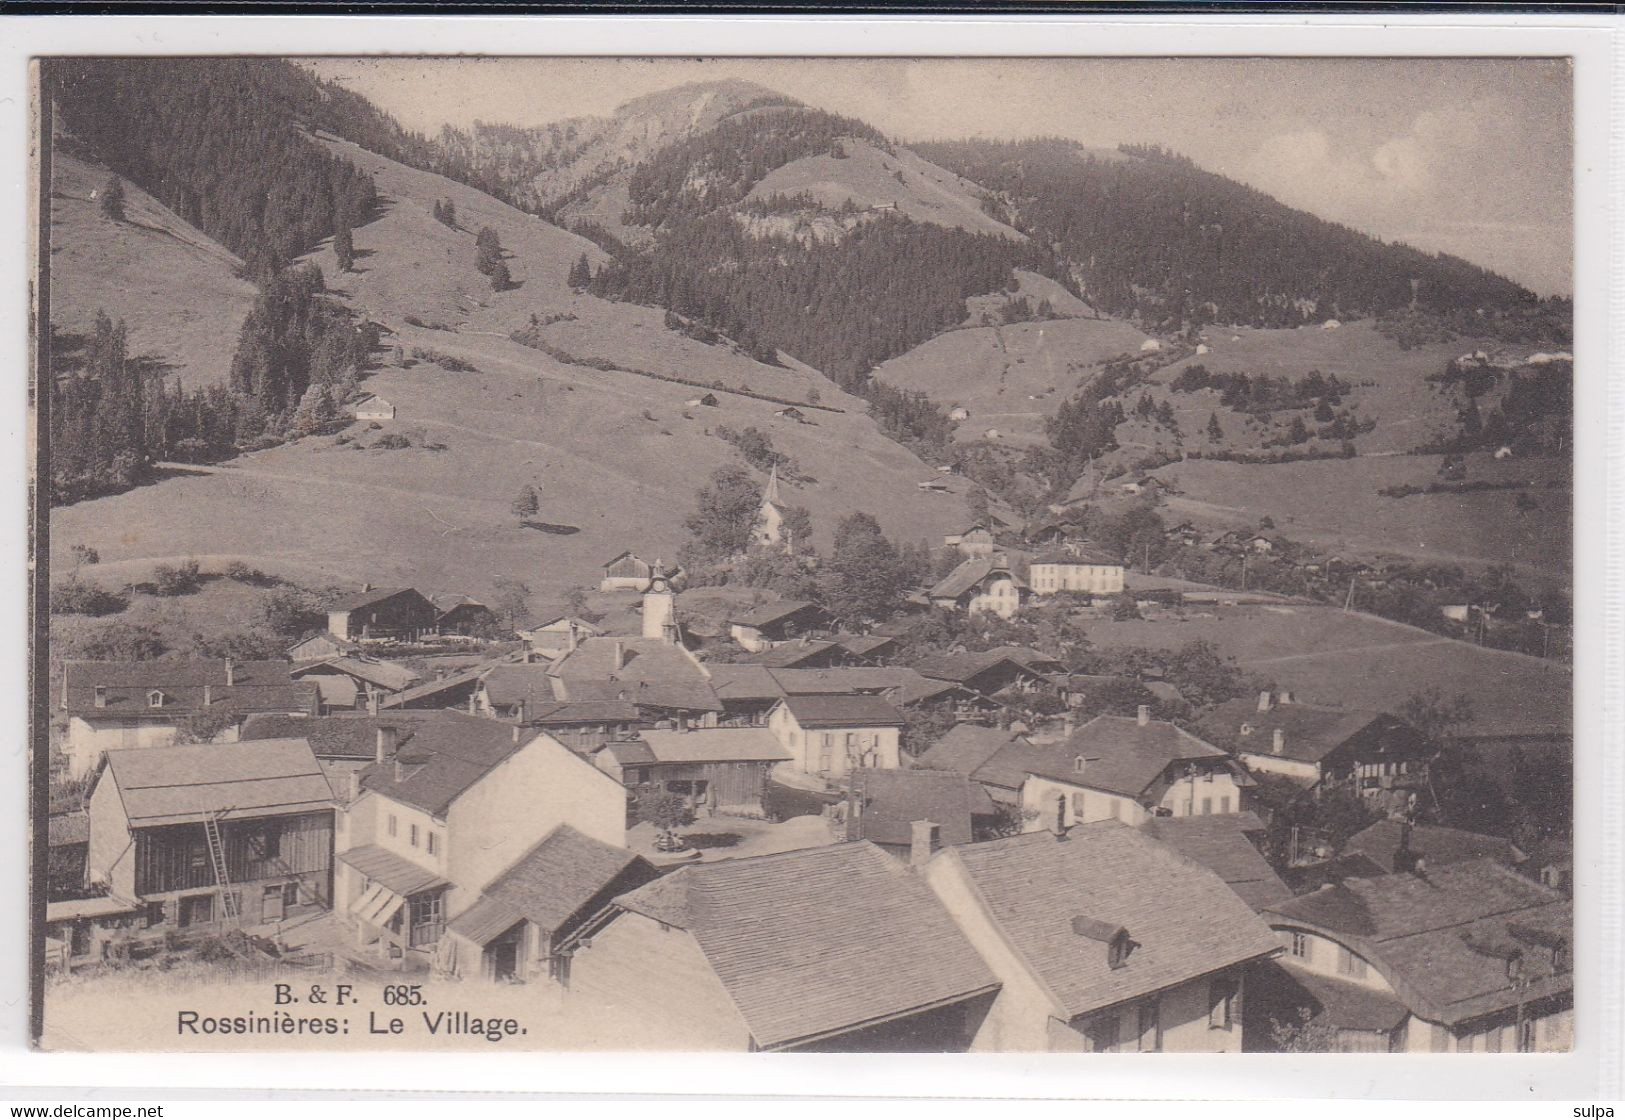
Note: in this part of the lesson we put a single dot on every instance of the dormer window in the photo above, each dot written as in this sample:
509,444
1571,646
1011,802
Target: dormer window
1115,937
1246,729
1078,764
155,699
1118,951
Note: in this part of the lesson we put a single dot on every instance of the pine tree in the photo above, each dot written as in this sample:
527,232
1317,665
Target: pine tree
581,276
500,280
112,199
527,503
864,578
1214,431
343,242
448,213
439,211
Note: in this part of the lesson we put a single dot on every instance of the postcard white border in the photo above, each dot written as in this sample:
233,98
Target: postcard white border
1590,1072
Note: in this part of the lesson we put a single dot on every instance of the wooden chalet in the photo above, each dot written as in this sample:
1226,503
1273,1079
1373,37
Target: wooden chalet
400,613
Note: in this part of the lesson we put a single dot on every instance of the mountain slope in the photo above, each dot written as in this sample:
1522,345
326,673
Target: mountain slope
136,269
618,456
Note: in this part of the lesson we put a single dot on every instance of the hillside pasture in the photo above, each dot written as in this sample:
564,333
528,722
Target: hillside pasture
1330,656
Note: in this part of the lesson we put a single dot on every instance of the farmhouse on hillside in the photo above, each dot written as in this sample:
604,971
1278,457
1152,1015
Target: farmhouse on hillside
402,613
975,542
209,836
119,705
1103,941
771,623
373,408
763,954
629,572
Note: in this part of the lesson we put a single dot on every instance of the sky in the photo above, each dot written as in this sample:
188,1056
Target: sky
1465,156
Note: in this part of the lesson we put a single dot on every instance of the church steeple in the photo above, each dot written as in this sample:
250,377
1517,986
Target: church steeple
770,496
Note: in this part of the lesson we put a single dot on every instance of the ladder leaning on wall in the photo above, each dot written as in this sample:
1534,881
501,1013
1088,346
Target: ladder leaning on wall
217,856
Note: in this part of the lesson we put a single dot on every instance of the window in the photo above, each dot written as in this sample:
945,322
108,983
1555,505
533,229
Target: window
1224,805
826,753
1300,945
1350,965
1207,806
426,916
393,824
1077,808
290,894
414,836
433,841
1150,1026
1221,1002
1101,1034
155,699
269,842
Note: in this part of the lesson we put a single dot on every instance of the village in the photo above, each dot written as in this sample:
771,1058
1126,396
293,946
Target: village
766,827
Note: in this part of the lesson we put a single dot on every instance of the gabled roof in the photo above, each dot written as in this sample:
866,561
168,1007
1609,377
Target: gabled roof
509,685
843,711
716,744
642,659
862,645
1122,755
550,883
1080,556
428,690
560,713
967,747
665,695
768,613
446,754
342,737
384,674
1219,843
820,941
1035,884
791,654
745,682
1439,846
965,667
1310,732
889,801
377,595
1442,938
969,575
258,686
177,785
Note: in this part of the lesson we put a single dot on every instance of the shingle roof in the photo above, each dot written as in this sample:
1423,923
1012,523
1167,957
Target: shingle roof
1310,732
351,737
633,752
258,686
889,801
861,645
1439,846
1123,755
446,755
1219,843
1183,919
790,654
384,674
1344,1003
559,713
1440,937
843,711
173,785
508,685
377,595
744,682
550,883
818,941
452,682
643,659
673,695
968,575
396,872
967,747
716,744
768,613
1081,556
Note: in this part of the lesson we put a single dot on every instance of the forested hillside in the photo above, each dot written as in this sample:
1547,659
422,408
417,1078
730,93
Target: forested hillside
1153,236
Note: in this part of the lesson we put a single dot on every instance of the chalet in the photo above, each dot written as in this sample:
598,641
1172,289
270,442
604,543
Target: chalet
373,408
1082,571
975,542
444,809
882,807
993,757
801,653
555,637
1260,543
934,485
708,400
721,769
759,954
959,413
208,837
768,625
791,412
1103,941
1471,957
347,682
463,616
981,584
401,613
1398,845
320,646
119,705
829,735
1376,755
628,572
1055,530
1004,669
517,927
1115,768
1225,846
866,649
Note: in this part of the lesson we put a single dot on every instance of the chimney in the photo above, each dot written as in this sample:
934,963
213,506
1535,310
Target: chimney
1069,723
355,784
101,696
1263,701
440,673
473,708
924,837
1278,742
516,733
618,658
1406,858
372,701
1057,821
365,587
231,672
208,695
389,741
1144,716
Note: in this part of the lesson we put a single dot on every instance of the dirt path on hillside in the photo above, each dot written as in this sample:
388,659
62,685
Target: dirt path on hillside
1344,652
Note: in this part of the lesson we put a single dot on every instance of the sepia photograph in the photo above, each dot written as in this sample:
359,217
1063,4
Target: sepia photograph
816,555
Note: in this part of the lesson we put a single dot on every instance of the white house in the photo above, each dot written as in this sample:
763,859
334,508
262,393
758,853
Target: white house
1115,768
1083,570
1468,958
827,735
1103,940
374,408
448,804
981,584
